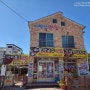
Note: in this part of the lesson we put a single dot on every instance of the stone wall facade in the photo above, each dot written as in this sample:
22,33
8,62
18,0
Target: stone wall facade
71,28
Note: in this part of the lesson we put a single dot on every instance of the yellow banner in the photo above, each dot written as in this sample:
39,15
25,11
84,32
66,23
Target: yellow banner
24,60
17,62
58,52
79,53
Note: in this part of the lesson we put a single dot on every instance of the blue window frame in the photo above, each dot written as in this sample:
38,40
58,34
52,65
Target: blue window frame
68,42
45,40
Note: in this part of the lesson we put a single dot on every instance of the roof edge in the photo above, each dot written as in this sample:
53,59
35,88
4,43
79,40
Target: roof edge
46,16
83,27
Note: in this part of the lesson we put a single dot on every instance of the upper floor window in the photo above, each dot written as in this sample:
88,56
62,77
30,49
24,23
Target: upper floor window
9,46
54,20
68,42
45,40
62,23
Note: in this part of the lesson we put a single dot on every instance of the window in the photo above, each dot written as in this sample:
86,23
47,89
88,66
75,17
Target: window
68,42
62,23
45,40
54,20
9,46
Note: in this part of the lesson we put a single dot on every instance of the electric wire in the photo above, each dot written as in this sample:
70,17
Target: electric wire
13,11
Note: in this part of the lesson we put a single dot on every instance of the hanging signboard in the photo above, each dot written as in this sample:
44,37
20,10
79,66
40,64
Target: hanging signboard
48,52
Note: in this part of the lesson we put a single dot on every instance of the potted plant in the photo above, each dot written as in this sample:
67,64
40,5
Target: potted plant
62,84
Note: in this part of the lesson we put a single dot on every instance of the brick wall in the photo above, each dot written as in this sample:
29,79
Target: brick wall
71,27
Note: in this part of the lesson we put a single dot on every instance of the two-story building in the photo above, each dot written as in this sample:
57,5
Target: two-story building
56,48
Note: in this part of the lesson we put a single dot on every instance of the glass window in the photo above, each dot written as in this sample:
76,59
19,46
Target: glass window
42,40
68,42
45,40
49,40
54,20
9,46
62,23
71,41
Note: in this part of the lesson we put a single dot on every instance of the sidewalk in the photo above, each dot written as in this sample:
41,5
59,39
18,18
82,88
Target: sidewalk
19,86
23,88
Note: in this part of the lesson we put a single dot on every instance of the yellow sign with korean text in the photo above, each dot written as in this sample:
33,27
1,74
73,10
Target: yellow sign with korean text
79,53
23,60
55,52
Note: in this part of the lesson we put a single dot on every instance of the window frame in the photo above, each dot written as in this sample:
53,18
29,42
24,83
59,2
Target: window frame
63,23
67,43
54,20
48,42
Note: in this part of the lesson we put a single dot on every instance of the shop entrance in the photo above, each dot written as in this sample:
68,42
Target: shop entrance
45,71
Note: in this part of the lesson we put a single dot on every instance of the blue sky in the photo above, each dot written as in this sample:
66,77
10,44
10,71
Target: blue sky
14,30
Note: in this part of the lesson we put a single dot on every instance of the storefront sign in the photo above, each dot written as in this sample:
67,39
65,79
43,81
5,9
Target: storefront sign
75,53
58,52
48,52
50,27
79,53
22,59
25,58
17,62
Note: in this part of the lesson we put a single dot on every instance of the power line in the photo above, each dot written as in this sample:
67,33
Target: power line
14,11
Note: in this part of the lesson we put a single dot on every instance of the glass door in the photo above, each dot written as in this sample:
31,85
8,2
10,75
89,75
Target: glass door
50,70
45,71
42,70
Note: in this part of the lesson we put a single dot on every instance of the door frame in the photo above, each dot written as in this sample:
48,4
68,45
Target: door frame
46,79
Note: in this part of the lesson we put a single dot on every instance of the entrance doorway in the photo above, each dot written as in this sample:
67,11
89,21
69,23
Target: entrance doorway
45,71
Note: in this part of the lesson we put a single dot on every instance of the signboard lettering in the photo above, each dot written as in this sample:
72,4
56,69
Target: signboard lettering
58,52
50,27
